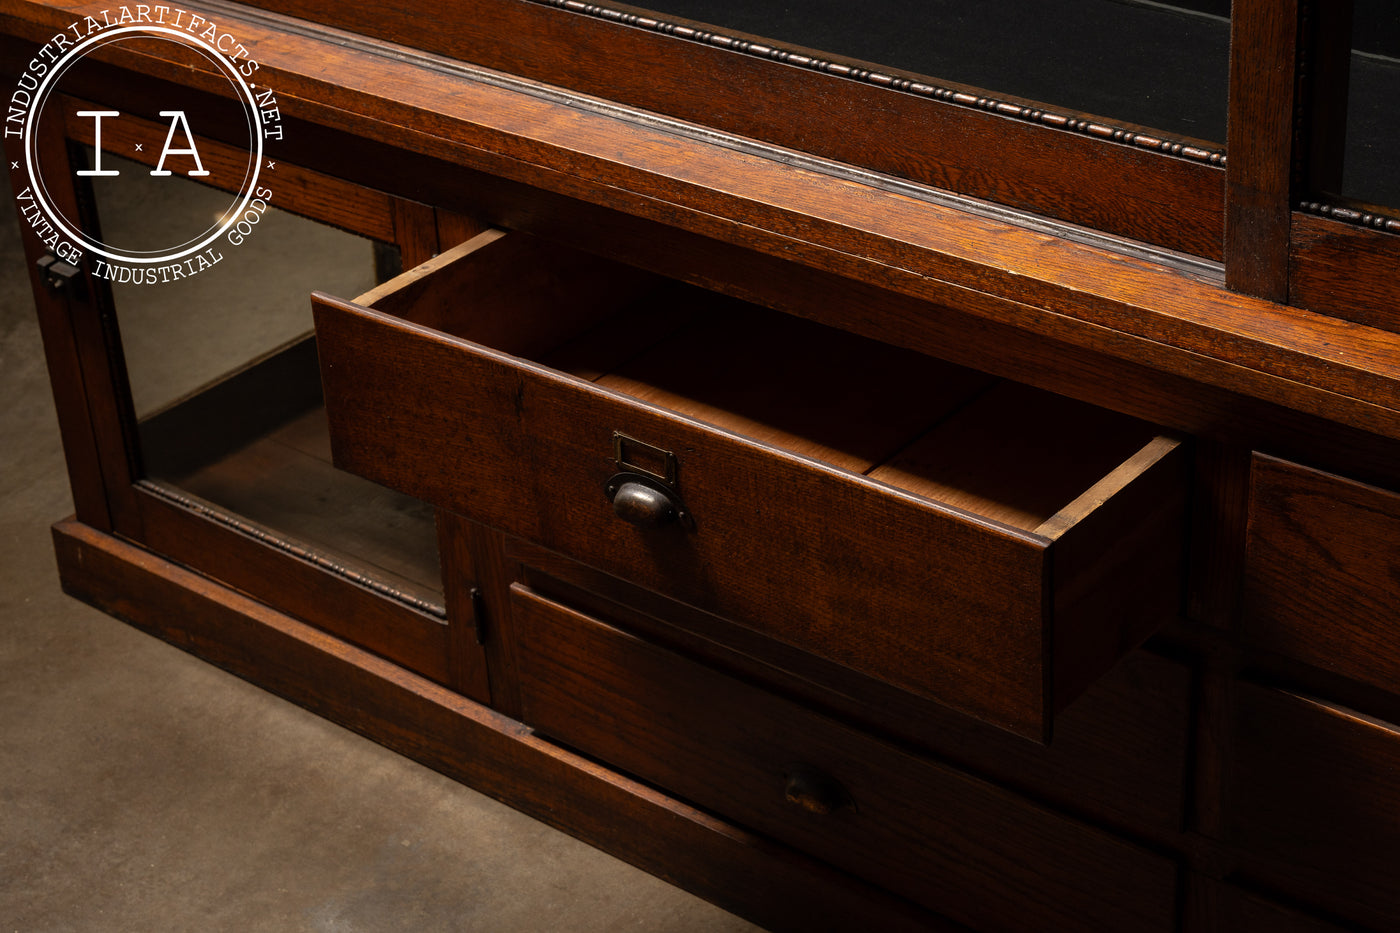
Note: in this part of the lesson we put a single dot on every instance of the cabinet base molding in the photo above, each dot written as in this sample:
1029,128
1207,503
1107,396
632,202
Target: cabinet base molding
491,753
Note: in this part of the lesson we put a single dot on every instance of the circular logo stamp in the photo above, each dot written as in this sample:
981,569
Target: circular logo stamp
140,149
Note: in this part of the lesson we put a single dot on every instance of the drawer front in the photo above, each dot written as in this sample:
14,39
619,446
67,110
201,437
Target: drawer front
1314,803
993,620
1322,580
1120,752
956,844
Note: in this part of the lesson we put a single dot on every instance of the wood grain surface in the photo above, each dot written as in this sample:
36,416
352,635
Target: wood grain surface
928,832
1151,196
1058,287
1116,758
1322,572
1314,804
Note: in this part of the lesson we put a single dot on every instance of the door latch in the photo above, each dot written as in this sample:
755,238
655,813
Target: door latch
59,277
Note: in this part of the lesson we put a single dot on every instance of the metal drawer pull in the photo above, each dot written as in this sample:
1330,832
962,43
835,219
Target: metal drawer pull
642,505
644,491
815,791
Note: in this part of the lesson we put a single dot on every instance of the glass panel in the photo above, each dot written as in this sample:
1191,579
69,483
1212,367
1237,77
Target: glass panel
1371,166
225,384
1153,64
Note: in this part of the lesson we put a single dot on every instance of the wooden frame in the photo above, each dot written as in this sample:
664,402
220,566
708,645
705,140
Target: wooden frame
1287,228
1009,152
1325,228
324,590
1250,209
550,161
1258,212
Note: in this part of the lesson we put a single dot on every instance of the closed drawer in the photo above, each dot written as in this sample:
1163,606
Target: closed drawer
1322,579
981,544
1314,803
1119,754
960,846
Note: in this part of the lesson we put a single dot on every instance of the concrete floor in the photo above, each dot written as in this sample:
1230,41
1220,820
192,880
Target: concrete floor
143,790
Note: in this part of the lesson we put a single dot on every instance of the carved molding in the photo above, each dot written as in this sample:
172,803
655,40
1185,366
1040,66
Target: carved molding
947,95
300,551
1351,216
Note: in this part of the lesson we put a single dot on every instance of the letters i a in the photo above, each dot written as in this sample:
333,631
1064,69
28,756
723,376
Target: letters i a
177,121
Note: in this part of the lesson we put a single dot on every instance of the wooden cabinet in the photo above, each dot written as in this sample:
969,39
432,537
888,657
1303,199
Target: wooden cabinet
855,553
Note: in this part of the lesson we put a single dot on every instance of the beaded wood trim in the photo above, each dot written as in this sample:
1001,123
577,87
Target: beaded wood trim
947,95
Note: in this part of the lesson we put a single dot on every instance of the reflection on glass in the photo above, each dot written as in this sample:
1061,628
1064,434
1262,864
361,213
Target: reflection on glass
183,335
1163,65
226,387
1371,166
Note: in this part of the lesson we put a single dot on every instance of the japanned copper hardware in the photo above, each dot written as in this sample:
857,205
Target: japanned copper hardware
642,505
814,790
643,492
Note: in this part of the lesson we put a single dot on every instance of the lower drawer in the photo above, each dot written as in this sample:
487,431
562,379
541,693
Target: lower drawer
1314,799
967,849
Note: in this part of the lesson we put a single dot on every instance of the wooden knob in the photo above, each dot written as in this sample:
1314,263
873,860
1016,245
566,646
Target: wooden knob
642,505
814,790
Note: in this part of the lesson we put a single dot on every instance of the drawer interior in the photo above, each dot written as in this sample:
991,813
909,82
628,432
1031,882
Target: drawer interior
1001,450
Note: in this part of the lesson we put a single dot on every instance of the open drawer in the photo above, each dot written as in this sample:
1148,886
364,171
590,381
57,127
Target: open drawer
979,543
